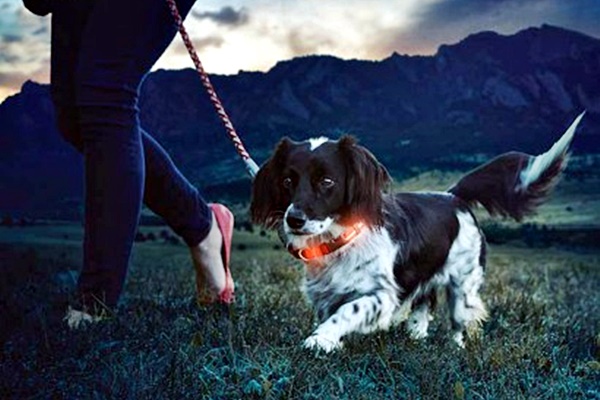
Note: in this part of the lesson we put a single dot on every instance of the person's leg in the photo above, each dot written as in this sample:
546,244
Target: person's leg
171,196
121,41
167,191
168,194
69,18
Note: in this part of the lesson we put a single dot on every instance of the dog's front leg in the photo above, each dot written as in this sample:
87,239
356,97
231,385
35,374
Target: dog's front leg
363,315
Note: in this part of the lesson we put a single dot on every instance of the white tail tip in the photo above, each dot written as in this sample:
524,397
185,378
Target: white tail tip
540,163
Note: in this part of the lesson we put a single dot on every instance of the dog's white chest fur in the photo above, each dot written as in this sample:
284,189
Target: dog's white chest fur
365,266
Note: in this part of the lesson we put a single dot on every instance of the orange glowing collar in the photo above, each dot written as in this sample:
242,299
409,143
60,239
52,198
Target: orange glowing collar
323,249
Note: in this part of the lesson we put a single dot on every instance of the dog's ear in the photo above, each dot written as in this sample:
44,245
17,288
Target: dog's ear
268,203
366,179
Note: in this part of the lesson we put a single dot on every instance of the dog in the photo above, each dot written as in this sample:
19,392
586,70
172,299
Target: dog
374,259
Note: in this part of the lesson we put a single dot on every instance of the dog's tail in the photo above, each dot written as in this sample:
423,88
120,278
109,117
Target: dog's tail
514,184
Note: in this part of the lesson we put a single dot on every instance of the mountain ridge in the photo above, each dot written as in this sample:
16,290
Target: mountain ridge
483,95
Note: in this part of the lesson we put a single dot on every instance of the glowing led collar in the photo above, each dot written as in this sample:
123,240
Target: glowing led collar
323,249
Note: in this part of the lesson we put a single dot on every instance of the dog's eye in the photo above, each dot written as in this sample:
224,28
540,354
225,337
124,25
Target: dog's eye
287,182
326,183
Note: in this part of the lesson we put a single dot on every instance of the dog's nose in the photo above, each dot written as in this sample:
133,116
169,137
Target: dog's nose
295,219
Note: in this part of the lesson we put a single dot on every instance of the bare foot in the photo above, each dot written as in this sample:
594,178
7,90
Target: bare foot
211,279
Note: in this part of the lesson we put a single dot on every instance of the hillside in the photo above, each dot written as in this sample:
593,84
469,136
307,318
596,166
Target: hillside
484,95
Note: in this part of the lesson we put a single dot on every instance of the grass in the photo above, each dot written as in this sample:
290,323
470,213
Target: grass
542,340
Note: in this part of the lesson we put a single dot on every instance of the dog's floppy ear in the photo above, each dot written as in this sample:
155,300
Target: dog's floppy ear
268,202
366,179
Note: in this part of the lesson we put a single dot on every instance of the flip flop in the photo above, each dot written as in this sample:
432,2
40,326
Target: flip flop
225,219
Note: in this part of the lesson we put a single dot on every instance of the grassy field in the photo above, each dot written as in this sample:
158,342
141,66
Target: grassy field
573,202
542,339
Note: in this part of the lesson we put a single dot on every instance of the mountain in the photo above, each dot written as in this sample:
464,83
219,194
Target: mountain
487,94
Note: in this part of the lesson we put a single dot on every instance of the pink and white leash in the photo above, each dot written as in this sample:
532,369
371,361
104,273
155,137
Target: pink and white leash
250,164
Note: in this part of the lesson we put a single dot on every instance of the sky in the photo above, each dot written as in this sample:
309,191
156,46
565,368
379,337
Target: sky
253,35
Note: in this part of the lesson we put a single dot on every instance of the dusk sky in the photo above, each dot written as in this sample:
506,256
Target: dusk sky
255,34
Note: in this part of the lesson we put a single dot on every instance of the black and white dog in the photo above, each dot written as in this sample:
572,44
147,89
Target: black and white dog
374,259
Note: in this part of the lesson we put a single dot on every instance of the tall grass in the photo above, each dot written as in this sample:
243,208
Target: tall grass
542,339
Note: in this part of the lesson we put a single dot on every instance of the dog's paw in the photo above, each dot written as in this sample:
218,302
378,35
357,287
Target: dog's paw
459,339
418,322
317,342
417,331
417,326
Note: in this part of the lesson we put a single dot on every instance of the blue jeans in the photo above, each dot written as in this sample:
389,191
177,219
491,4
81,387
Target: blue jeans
101,52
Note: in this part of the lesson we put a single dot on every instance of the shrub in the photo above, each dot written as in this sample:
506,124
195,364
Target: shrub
7,220
140,237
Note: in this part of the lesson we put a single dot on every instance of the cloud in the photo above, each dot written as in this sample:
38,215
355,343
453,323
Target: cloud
282,30
210,41
12,80
11,38
15,78
227,16
200,45
42,31
302,42
458,10
449,21
256,34
24,47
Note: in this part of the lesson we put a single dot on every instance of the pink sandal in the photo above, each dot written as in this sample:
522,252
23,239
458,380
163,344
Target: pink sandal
225,219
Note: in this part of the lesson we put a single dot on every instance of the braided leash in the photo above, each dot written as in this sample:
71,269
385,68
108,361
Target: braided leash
251,166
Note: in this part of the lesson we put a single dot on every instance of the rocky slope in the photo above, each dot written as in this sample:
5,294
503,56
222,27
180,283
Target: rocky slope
484,95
